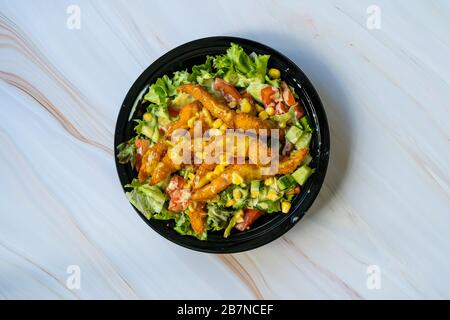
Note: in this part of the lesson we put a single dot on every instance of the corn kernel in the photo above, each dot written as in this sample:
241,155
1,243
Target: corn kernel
219,169
285,206
272,195
230,203
246,107
259,108
263,115
207,115
239,216
236,178
147,116
201,182
217,123
232,104
269,181
210,175
254,194
282,125
190,122
237,194
274,73
270,111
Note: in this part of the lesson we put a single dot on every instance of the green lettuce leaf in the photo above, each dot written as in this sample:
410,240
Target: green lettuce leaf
241,60
179,78
238,216
160,114
274,83
159,92
286,117
227,194
202,71
127,152
222,62
183,227
260,67
165,87
239,68
255,88
217,217
149,200
165,215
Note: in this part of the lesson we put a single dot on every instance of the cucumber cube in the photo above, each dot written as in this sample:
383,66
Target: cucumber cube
302,174
286,182
293,134
304,140
305,124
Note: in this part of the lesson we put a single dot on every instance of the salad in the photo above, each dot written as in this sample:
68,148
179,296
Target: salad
218,146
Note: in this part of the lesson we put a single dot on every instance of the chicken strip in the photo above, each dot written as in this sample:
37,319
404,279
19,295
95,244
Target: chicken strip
200,175
164,169
248,172
226,114
185,114
291,163
197,217
151,159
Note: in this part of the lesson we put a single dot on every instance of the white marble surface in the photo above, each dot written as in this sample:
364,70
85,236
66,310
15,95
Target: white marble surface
385,201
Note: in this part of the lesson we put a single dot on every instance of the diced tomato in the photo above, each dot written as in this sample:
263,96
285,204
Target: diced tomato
267,94
281,108
250,216
179,196
288,97
229,92
179,200
173,112
177,182
142,146
299,111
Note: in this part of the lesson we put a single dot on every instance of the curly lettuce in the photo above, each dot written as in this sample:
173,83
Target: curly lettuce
240,69
218,217
183,227
149,200
126,152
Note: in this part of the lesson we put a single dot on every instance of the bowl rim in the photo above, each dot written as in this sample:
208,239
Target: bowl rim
303,202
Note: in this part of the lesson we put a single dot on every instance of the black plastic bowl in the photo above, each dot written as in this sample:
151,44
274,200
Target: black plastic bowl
268,227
